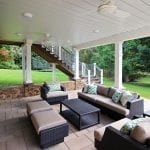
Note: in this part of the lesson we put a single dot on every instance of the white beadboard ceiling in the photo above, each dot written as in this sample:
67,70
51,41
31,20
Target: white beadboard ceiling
73,21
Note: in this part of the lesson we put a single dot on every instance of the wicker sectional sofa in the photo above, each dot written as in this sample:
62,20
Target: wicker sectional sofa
110,137
103,100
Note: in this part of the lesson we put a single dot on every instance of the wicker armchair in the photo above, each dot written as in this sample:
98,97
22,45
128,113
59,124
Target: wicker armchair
53,97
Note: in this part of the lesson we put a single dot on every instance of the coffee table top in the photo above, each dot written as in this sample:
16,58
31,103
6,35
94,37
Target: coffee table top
79,106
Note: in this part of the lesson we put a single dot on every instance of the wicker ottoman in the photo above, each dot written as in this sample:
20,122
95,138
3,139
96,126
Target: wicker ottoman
33,107
51,128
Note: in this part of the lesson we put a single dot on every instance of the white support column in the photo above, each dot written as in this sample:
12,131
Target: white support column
26,62
23,64
54,72
94,69
59,52
76,64
118,65
89,77
82,69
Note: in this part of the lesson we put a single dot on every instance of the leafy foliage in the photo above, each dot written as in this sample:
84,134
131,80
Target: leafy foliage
38,63
4,55
7,57
11,58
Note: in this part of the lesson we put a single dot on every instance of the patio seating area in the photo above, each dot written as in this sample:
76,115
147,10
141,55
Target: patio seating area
17,132
57,31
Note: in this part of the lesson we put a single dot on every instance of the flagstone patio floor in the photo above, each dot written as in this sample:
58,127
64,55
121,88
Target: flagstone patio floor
17,133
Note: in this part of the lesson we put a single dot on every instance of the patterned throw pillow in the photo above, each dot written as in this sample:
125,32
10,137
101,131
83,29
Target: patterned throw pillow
129,126
127,96
92,89
116,96
54,87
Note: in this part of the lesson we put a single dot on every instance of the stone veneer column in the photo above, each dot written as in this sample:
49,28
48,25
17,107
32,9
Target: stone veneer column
118,65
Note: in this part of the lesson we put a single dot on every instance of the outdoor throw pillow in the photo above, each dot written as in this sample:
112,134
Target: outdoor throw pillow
127,96
85,89
141,132
129,126
116,96
54,87
92,89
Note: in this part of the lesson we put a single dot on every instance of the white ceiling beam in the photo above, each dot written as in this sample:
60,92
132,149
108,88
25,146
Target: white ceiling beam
133,34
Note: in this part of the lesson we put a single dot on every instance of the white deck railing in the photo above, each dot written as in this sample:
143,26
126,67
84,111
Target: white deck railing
91,70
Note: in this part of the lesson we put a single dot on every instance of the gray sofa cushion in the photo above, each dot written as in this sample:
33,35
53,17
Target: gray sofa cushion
102,90
107,103
37,106
111,92
141,132
56,94
88,97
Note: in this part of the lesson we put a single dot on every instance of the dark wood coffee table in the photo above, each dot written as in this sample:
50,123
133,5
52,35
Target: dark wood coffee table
80,113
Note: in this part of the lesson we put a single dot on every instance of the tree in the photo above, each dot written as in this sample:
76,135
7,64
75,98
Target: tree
4,55
7,57
136,54
86,55
130,63
144,51
104,58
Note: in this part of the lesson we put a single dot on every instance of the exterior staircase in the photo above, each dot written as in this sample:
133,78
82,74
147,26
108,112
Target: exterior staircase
93,79
64,60
90,73
51,56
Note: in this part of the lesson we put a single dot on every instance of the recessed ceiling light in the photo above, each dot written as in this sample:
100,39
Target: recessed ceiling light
96,31
27,14
47,35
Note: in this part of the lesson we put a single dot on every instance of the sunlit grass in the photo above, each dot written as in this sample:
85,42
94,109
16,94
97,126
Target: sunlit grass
14,77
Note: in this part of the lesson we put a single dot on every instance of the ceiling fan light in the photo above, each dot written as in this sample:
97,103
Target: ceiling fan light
107,9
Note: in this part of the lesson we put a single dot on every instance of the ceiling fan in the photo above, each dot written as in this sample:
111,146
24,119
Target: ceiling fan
108,7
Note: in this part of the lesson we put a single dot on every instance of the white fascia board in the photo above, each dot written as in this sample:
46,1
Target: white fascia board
125,36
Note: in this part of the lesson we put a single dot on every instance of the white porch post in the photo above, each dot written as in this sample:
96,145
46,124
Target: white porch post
82,69
76,64
59,52
89,77
54,72
23,64
26,62
94,68
102,76
118,64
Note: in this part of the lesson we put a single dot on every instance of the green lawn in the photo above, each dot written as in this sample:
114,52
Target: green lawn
14,77
141,86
